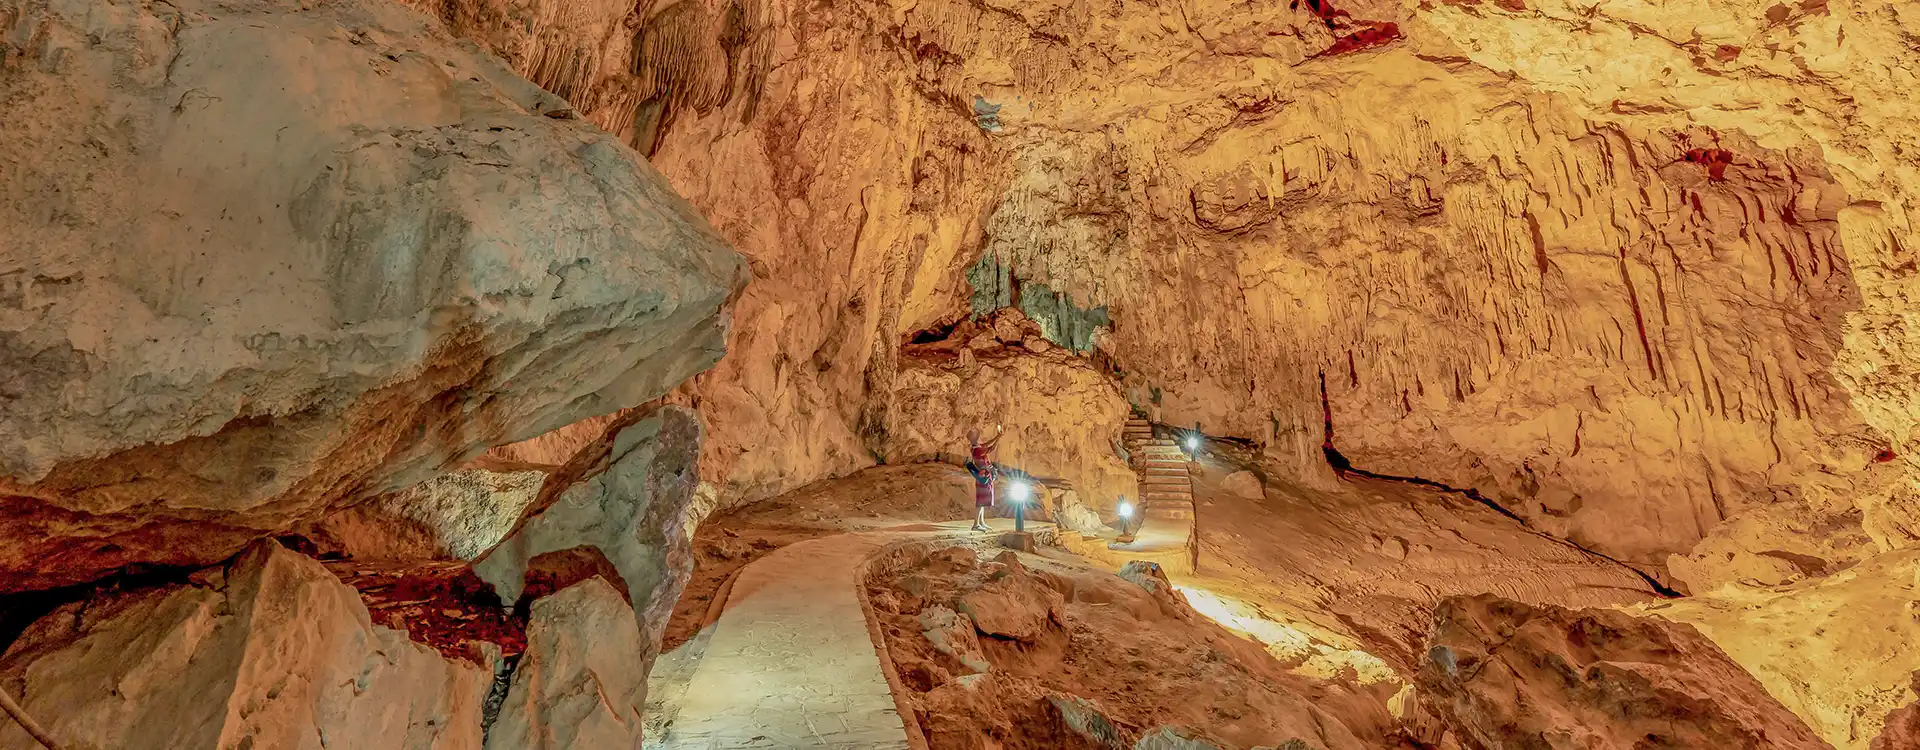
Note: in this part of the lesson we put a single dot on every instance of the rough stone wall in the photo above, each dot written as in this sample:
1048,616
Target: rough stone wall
259,261
270,650
1058,413
1596,320
1625,325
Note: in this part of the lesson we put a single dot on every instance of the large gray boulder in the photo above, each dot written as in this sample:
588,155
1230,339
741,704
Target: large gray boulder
271,651
259,261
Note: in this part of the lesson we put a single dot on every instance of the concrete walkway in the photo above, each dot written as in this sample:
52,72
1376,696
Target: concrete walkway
791,662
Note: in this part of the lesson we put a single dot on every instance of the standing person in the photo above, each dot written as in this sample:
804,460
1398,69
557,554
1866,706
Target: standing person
980,463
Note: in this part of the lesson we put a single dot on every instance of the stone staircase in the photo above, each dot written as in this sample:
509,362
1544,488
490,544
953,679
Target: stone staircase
1166,487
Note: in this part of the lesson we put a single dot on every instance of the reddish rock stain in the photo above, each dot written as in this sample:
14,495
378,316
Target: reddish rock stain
1716,160
1359,35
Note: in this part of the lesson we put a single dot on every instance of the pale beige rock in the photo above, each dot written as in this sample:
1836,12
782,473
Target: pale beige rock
952,633
1839,651
631,496
458,515
583,680
274,651
1172,738
1070,513
1245,484
261,260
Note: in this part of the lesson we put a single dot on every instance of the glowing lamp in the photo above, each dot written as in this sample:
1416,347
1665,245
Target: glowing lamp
1019,491
1125,510
1193,442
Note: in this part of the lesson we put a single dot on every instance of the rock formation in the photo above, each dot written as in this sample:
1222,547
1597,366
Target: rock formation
269,651
1791,638
629,496
1364,226
578,686
1061,418
1582,304
261,261
1504,674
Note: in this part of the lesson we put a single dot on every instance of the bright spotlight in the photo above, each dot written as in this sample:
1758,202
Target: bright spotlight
1193,442
1125,510
1019,491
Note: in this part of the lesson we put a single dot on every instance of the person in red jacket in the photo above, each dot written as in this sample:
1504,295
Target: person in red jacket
980,463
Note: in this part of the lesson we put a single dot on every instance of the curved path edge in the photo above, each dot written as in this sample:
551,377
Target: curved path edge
785,666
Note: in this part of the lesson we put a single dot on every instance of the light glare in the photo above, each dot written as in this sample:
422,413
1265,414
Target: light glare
1125,510
1019,491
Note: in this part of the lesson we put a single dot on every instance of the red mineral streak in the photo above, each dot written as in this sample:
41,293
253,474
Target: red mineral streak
1716,161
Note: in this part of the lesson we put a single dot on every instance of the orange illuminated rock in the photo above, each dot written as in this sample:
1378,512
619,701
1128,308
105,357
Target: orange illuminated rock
1504,674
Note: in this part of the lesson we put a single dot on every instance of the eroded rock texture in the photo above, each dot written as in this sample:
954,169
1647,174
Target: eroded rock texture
579,685
1504,674
1792,637
260,260
269,651
1059,415
630,496
1621,312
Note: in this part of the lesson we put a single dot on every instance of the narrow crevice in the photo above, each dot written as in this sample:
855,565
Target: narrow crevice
497,695
19,610
1344,467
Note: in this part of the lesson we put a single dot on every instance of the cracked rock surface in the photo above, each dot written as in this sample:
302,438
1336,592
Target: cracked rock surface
260,260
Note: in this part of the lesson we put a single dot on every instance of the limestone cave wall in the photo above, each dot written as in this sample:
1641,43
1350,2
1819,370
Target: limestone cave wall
1628,314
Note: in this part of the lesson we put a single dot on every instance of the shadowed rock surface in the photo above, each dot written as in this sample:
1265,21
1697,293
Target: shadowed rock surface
269,651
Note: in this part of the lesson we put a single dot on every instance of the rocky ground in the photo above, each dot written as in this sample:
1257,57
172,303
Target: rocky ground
1017,651
1596,307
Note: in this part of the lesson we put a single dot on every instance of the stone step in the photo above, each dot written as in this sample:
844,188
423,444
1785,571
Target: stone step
1166,478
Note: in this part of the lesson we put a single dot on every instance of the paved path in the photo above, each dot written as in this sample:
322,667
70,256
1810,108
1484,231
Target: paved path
790,663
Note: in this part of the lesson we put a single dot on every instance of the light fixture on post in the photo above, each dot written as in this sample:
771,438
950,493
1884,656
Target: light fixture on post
1125,511
1019,492
1192,442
